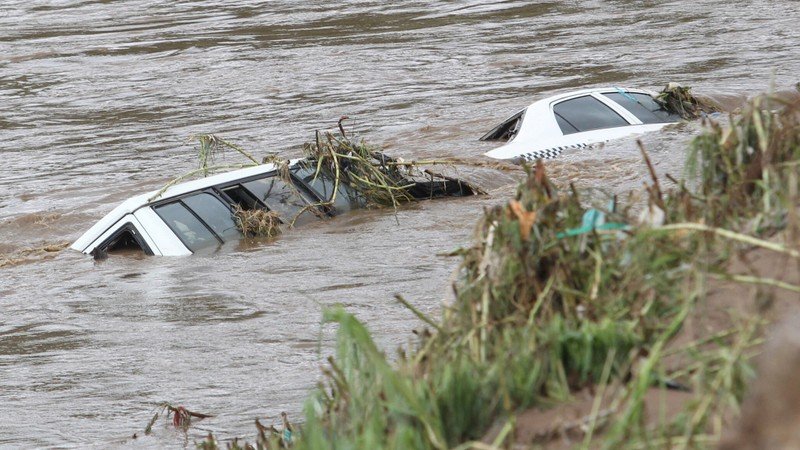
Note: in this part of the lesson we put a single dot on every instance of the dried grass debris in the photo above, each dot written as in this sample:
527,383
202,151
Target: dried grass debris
679,100
257,222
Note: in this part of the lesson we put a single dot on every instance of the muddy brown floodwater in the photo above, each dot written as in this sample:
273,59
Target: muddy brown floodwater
97,100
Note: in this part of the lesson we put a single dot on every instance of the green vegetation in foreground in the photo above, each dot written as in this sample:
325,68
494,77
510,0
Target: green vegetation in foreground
538,317
551,306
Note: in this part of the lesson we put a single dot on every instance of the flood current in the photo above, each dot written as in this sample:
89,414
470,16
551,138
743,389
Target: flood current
98,101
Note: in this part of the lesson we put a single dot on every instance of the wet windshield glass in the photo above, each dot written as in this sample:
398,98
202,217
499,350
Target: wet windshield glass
643,106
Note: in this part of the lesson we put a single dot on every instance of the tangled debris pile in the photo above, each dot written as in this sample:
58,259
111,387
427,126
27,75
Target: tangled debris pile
679,100
379,179
361,176
268,437
181,417
257,222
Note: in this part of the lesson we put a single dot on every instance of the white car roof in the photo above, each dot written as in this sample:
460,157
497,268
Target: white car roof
134,203
540,137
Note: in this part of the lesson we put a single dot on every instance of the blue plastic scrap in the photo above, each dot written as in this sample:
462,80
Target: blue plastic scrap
593,220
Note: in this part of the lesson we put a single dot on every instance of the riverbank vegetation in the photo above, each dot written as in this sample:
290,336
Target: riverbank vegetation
588,322
596,323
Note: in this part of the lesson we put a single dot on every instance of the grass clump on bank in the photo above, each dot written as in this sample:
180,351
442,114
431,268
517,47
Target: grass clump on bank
558,301
750,167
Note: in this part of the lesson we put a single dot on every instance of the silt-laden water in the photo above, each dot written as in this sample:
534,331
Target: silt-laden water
98,100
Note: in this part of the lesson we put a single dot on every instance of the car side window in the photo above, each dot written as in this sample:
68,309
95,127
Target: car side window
585,114
323,185
214,213
565,126
241,197
644,107
281,197
193,233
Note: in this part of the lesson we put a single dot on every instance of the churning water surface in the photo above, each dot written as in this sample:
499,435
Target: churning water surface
98,100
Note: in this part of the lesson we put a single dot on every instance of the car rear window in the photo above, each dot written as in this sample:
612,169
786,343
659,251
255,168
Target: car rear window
643,106
585,114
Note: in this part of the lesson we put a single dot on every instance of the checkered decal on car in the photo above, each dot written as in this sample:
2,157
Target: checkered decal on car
550,153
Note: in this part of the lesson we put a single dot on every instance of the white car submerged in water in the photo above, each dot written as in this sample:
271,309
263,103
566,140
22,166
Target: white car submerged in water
200,214
547,127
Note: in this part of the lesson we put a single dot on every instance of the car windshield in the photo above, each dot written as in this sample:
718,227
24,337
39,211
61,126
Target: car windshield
643,106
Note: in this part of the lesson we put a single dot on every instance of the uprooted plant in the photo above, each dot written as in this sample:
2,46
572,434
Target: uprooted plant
209,145
679,100
379,180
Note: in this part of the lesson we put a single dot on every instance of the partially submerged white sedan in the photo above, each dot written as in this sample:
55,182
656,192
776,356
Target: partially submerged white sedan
199,214
547,127
202,214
